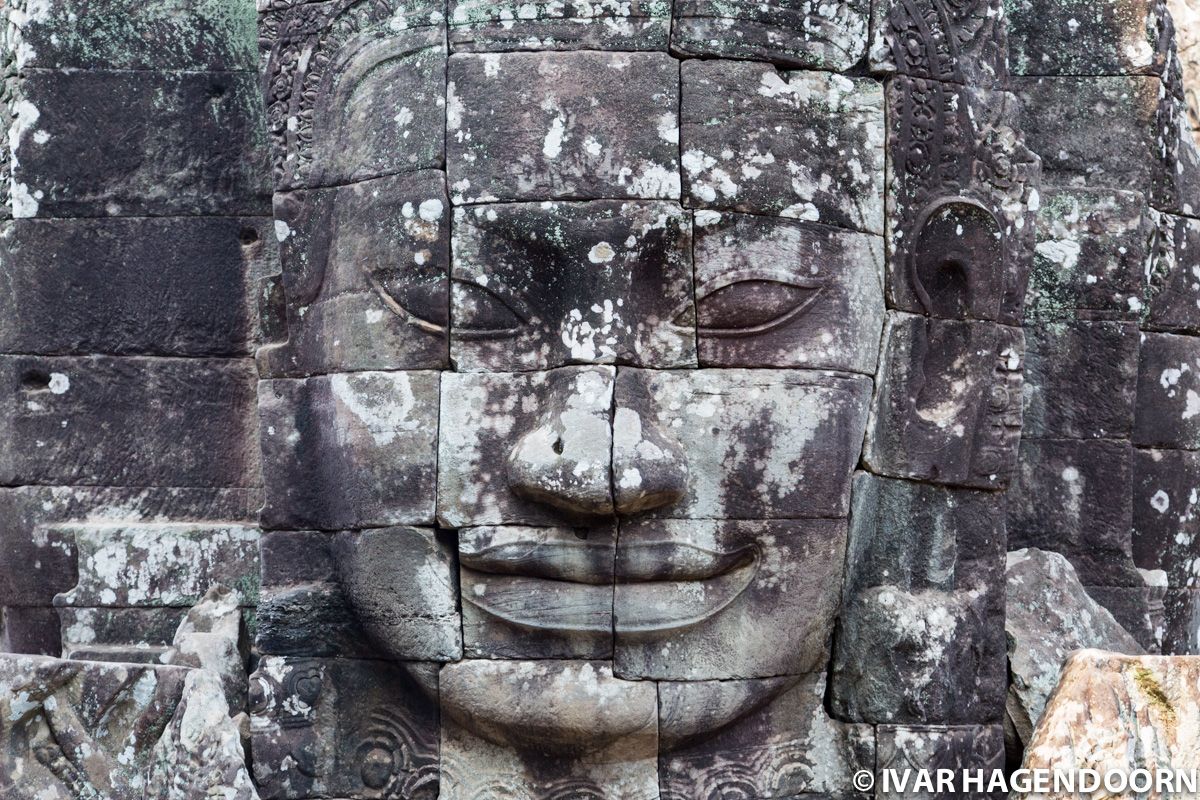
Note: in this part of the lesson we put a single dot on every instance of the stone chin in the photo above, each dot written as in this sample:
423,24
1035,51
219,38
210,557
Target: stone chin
574,708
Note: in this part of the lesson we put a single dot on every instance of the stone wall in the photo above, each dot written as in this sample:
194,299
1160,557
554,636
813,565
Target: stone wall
136,220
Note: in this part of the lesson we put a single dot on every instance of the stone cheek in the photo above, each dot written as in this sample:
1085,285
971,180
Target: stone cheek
827,35
759,444
948,406
804,145
767,599
401,585
348,451
365,277
784,293
537,286
528,126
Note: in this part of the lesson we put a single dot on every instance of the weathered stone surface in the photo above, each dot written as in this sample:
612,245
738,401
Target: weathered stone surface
1119,713
29,533
1168,401
169,287
167,564
570,125
351,94
920,637
84,729
1138,609
712,600
166,422
366,271
1077,37
1166,514
820,159
343,728
830,36
767,747
137,634
1175,276
1177,178
401,584
1186,14
961,201
1181,624
928,747
1080,380
85,34
585,733
525,448
1073,497
948,406
956,42
524,273
784,293
537,592
29,630
210,638
1103,133
302,608
488,25
757,444
184,143
1093,246
1048,615
352,450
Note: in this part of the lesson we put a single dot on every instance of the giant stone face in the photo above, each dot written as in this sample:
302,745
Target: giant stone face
575,359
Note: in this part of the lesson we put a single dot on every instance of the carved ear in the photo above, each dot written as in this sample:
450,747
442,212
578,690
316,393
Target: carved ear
957,261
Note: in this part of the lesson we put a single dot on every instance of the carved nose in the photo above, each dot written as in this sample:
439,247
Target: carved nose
583,460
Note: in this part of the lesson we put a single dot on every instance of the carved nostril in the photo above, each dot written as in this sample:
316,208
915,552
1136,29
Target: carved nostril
649,468
565,466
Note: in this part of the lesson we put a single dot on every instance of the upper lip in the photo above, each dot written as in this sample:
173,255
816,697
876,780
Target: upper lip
592,562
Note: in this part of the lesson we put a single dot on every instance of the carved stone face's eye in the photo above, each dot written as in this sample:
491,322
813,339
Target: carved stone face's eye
750,306
480,312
